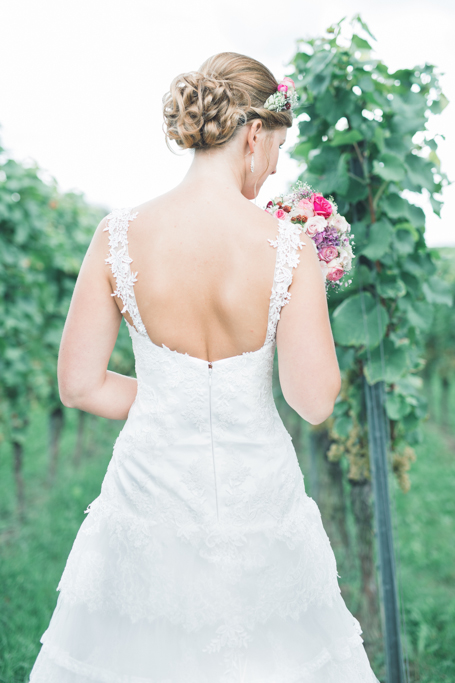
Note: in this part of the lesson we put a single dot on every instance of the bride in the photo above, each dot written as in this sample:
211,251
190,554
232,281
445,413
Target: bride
203,560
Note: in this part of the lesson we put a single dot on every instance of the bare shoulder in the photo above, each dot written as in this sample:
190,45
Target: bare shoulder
261,225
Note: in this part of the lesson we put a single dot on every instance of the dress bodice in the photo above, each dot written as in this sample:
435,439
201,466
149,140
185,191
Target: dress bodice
190,414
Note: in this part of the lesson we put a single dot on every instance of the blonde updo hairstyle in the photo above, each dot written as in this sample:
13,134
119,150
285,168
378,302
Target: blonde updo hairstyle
204,109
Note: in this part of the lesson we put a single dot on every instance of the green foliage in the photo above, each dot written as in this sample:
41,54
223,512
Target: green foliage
440,338
33,552
363,139
43,237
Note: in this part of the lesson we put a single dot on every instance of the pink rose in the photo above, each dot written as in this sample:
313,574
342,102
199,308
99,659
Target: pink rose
328,253
321,206
335,273
280,214
282,87
305,208
289,82
314,225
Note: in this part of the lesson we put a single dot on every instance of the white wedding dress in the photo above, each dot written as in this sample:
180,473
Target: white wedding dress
203,560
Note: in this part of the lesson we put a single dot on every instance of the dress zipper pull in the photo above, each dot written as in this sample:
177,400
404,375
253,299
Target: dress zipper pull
210,373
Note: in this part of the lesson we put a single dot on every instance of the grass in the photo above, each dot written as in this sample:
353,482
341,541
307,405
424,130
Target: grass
33,552
425,529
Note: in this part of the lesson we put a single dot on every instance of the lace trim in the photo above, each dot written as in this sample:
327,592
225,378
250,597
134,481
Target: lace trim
287,243
119,260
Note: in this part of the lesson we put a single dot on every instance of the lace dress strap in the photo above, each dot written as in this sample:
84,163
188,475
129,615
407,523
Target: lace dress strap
287,244
119,259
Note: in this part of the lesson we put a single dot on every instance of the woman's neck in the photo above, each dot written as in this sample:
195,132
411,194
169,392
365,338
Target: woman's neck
221,170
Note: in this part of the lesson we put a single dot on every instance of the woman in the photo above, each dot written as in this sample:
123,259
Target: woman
203,560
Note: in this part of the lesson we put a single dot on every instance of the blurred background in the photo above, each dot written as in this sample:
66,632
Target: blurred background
80,116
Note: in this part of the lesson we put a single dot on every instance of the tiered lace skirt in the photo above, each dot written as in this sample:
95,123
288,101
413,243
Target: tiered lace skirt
144,602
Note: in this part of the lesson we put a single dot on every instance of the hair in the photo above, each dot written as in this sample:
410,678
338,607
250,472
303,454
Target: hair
204,109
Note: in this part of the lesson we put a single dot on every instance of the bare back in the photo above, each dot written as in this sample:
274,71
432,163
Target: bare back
204,273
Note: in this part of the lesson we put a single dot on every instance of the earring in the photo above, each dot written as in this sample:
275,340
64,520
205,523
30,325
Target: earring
252,163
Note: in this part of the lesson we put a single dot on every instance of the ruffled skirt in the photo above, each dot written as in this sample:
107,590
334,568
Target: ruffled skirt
142,602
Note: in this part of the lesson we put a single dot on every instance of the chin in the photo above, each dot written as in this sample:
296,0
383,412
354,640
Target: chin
249,192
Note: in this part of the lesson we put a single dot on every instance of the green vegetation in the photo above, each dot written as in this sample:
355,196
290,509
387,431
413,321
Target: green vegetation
33,551
364,139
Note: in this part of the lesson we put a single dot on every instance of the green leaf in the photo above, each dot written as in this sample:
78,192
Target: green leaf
343,426
320,82
402,125
397,407
410,384
419,171
419,314
328,171
404,242
437,291
436,205
345,358
345,137
359,321
389,167
391,287
378,138
319,62
341,407
332,105
366,83
355,191
397,144
363,25
405,225
360,43
397,207
440,104
386,362
301,150
378,239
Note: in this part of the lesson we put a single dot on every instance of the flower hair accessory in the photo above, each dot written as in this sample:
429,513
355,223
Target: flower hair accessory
285,96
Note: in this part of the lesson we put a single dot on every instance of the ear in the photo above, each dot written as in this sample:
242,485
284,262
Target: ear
253,134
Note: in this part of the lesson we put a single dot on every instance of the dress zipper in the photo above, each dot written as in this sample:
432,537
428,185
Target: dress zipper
211,438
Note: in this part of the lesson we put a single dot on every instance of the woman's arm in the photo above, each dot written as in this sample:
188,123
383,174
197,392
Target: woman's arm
308,366
89,336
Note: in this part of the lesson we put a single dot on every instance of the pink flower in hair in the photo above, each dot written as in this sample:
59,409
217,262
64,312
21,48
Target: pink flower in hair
288,82
282,87
280,214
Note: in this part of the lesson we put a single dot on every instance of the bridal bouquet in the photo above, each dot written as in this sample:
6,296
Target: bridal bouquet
320,220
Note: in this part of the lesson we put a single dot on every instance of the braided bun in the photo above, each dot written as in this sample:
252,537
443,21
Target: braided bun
204,109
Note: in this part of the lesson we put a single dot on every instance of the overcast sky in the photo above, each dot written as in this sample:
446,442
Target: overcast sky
81,81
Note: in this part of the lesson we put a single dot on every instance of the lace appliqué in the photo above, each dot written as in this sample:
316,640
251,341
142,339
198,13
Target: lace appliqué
119,260
287,243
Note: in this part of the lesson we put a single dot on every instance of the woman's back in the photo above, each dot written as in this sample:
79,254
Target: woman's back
204,272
